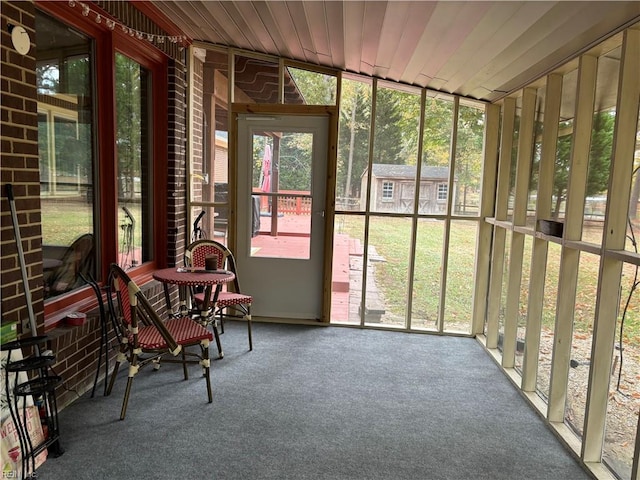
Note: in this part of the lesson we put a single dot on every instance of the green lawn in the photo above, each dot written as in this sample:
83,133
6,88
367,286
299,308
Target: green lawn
62,222
391,238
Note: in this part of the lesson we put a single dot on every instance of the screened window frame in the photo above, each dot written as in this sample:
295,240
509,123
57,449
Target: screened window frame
106,43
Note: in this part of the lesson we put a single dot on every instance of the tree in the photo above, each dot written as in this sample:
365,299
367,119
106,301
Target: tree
353,137
388,134
599,158
129,84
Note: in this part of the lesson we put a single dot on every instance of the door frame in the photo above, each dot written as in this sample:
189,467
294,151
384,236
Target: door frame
329,204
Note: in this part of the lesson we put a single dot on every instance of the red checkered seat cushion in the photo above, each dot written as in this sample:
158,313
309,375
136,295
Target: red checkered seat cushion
184,330
227,299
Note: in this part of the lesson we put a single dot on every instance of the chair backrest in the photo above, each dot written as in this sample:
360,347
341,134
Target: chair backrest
196,253
135,310
78,260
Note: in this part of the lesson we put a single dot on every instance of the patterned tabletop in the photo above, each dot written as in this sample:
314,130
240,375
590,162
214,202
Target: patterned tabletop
193,276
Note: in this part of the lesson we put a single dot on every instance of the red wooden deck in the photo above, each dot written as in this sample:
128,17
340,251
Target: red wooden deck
292,241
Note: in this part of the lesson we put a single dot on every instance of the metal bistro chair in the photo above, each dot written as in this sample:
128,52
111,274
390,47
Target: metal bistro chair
231,298
145,338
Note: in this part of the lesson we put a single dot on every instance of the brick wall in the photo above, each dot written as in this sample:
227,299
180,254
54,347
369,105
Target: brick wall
19,167
76,348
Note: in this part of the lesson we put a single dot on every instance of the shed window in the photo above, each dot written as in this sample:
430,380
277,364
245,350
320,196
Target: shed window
443,189
387,191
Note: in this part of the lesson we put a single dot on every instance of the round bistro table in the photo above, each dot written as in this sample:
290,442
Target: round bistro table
185,278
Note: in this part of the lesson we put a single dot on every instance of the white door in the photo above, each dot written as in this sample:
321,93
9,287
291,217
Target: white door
282,161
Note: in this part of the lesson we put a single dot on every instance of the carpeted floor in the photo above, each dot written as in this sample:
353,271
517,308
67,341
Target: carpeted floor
317,403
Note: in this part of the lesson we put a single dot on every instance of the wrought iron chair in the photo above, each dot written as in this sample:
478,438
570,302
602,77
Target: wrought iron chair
145,338
230,298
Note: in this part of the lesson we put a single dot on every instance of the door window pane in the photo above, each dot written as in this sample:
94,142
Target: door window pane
281,195
66,158
133,87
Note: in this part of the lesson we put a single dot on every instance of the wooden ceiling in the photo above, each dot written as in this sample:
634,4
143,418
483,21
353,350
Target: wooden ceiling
482,50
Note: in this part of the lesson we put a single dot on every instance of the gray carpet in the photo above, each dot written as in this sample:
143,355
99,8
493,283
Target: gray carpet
317,403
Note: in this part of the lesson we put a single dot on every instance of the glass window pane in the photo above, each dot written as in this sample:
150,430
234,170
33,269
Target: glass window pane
387,271
436,153
281,181
256,81
395,150
604,119
458,308
548,319
584,315
624,390
505,287
469,160
523,302
313,88
563,148
633,226
66,158
133,89
348,257
514,157
535,162
427,277
210,150
353,145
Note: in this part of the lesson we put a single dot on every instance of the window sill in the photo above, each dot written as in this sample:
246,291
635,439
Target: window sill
84,300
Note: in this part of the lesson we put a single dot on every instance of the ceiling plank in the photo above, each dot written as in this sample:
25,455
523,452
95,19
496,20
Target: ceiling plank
353,17
501,25
374,13
472,48
287,29
395,20
218,15
561,44
439,23
299,18
335,23
465,20
316,19
526,37
266,17
417,18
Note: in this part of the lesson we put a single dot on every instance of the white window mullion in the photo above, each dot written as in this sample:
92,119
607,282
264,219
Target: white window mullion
607,303
570,257
553,100
523,169
483,246
499,232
